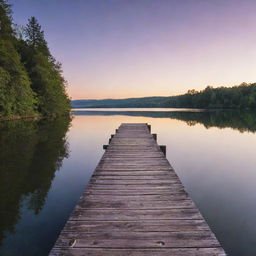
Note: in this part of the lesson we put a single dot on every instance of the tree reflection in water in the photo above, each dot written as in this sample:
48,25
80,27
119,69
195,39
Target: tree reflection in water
30,154
242,120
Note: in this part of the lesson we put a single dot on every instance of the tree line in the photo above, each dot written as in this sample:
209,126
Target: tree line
31,80
236,97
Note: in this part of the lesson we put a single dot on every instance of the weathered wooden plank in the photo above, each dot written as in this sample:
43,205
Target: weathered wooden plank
102,172
127,240
129,189
132,168
178,195
143,170
116,154
132,192
135,205
135,182
138,252
106,176
126,168
110,214
137,226
132,186
123,162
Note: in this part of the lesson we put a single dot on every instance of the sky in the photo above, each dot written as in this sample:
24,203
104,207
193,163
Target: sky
137,48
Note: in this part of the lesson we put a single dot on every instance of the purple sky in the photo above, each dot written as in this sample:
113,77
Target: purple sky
130,48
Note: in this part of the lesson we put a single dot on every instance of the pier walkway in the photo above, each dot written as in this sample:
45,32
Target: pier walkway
135,205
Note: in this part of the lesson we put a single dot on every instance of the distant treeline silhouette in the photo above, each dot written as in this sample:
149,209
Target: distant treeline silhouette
239,97
236,97
31,81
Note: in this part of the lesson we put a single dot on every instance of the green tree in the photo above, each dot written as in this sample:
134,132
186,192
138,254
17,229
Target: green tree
30,78
16,96
6,30
35,37
45,73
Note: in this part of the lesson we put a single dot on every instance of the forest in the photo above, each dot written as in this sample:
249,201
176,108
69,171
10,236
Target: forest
31,80
237,97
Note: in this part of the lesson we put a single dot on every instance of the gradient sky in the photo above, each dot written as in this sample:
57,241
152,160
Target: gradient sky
134,48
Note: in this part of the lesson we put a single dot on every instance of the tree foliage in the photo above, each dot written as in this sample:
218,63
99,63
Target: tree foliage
45,73
35,37
6,30
31,80
236,97
16,95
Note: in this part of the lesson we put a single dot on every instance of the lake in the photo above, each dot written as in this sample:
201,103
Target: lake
45,165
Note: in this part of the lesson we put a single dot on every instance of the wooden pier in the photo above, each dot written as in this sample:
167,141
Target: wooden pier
135,205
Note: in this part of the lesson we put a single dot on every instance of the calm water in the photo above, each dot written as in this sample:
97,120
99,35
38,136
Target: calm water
44,166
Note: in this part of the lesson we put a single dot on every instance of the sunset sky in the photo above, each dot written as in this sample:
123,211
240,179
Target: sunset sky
135,48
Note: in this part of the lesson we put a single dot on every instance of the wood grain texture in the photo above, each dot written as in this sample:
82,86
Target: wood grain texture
135,205
138,252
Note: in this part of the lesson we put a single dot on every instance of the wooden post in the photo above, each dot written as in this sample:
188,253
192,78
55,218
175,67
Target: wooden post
154,136
163,149
111,137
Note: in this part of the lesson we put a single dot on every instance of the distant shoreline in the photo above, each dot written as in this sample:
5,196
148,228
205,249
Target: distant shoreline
237,97
182,108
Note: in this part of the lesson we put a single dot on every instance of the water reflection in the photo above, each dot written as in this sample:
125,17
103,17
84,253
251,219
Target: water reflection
216,166
236,119
31,152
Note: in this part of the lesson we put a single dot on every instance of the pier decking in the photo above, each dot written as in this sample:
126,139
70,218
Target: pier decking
135,205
